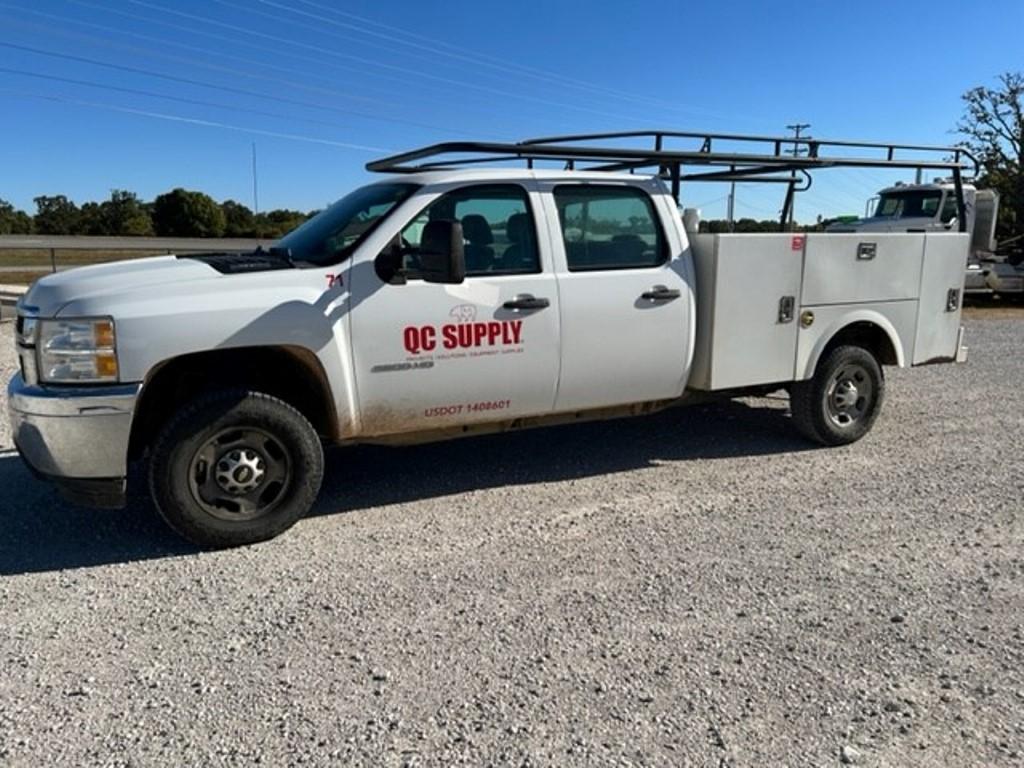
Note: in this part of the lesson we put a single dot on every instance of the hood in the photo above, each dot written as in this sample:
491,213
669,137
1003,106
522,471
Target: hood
881,224
48,294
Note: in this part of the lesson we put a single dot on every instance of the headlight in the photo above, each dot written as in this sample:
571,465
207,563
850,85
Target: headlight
79,351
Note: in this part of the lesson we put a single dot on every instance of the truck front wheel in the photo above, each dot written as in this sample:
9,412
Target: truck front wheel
841,402
235,467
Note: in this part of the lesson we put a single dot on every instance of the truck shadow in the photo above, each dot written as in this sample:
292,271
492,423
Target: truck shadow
41,532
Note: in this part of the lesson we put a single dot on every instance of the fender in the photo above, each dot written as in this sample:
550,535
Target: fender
825,337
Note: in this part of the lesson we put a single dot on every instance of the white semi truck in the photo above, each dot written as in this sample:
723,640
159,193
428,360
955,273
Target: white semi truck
452,298
932,207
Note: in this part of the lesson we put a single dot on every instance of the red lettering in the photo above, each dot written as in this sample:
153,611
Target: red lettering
479,331
416,340
493,332
428,338
424,338
450,336
411,337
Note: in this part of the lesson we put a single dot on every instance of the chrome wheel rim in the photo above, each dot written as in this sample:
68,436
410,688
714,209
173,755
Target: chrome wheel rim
850,395
241,473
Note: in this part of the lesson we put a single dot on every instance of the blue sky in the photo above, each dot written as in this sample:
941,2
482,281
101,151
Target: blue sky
322,86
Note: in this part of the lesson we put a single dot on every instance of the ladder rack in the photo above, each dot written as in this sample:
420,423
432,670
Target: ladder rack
743,158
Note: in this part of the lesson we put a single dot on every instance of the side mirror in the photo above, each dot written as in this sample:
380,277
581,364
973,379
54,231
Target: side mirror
441,253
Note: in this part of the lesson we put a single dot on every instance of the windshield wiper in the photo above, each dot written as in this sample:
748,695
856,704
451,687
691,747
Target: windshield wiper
280,253
284,253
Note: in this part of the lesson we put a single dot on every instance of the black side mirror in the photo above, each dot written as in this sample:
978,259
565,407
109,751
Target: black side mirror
441,253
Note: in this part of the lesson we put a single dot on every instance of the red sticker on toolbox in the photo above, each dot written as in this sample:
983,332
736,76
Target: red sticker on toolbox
798,243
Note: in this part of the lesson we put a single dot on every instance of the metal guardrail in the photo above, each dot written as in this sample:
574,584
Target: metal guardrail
53,244
104,243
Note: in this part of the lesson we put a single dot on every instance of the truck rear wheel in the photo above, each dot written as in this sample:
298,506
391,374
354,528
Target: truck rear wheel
235,467
840,403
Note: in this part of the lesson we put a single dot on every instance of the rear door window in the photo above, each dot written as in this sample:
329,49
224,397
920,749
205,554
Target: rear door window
606,227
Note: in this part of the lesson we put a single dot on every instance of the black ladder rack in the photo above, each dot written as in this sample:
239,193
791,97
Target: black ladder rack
763,159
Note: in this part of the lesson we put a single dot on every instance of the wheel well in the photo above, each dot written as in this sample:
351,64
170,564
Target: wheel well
292,374
868,336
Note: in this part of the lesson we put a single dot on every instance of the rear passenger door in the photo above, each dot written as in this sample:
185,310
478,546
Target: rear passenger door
624,296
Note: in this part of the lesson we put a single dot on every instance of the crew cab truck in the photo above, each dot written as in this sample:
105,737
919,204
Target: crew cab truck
452,299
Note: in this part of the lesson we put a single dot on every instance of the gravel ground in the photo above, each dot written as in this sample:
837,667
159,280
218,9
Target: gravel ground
698,588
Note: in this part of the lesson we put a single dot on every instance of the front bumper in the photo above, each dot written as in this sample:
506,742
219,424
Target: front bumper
75,436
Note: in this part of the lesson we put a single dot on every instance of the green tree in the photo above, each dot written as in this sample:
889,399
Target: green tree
182,213
56,215
277,223
719,226
125,214
239,220
90,220
993,124
14,221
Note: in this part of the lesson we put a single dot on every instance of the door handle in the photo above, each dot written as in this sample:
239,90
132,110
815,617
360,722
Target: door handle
526,301
661,293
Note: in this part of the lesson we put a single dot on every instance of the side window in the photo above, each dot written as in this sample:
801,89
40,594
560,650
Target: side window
949,210
609,228
497,224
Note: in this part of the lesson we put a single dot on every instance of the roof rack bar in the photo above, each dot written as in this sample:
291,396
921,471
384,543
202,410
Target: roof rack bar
789,140
567,150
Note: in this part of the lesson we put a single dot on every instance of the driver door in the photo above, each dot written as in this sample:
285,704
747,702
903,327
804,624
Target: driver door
430,356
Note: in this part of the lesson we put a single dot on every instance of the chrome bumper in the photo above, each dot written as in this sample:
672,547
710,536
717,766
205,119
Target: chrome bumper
73,433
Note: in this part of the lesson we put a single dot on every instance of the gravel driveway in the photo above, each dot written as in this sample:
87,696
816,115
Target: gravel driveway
697,588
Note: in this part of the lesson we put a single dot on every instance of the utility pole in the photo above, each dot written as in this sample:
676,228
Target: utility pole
255,191
732,206
790,205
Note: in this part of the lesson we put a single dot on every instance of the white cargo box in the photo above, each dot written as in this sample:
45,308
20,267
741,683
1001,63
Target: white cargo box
754,289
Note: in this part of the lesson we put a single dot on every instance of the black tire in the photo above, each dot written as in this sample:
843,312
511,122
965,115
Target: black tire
840,403
235,467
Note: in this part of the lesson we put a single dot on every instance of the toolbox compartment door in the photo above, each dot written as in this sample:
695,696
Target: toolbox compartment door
748,309
939,308
861,268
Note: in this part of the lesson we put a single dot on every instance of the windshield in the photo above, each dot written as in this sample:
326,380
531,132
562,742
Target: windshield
334,233
910,204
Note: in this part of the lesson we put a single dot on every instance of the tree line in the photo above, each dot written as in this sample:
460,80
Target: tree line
719,226
178,213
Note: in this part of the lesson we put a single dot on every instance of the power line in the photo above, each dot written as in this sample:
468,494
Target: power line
159,54
168,97
192,30
224,88
385,65
709,202
511,68
149,51
195,121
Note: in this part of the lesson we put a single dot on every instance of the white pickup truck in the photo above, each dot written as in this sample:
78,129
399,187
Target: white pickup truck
450,299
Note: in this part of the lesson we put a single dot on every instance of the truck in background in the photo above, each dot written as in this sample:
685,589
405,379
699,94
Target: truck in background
932,207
